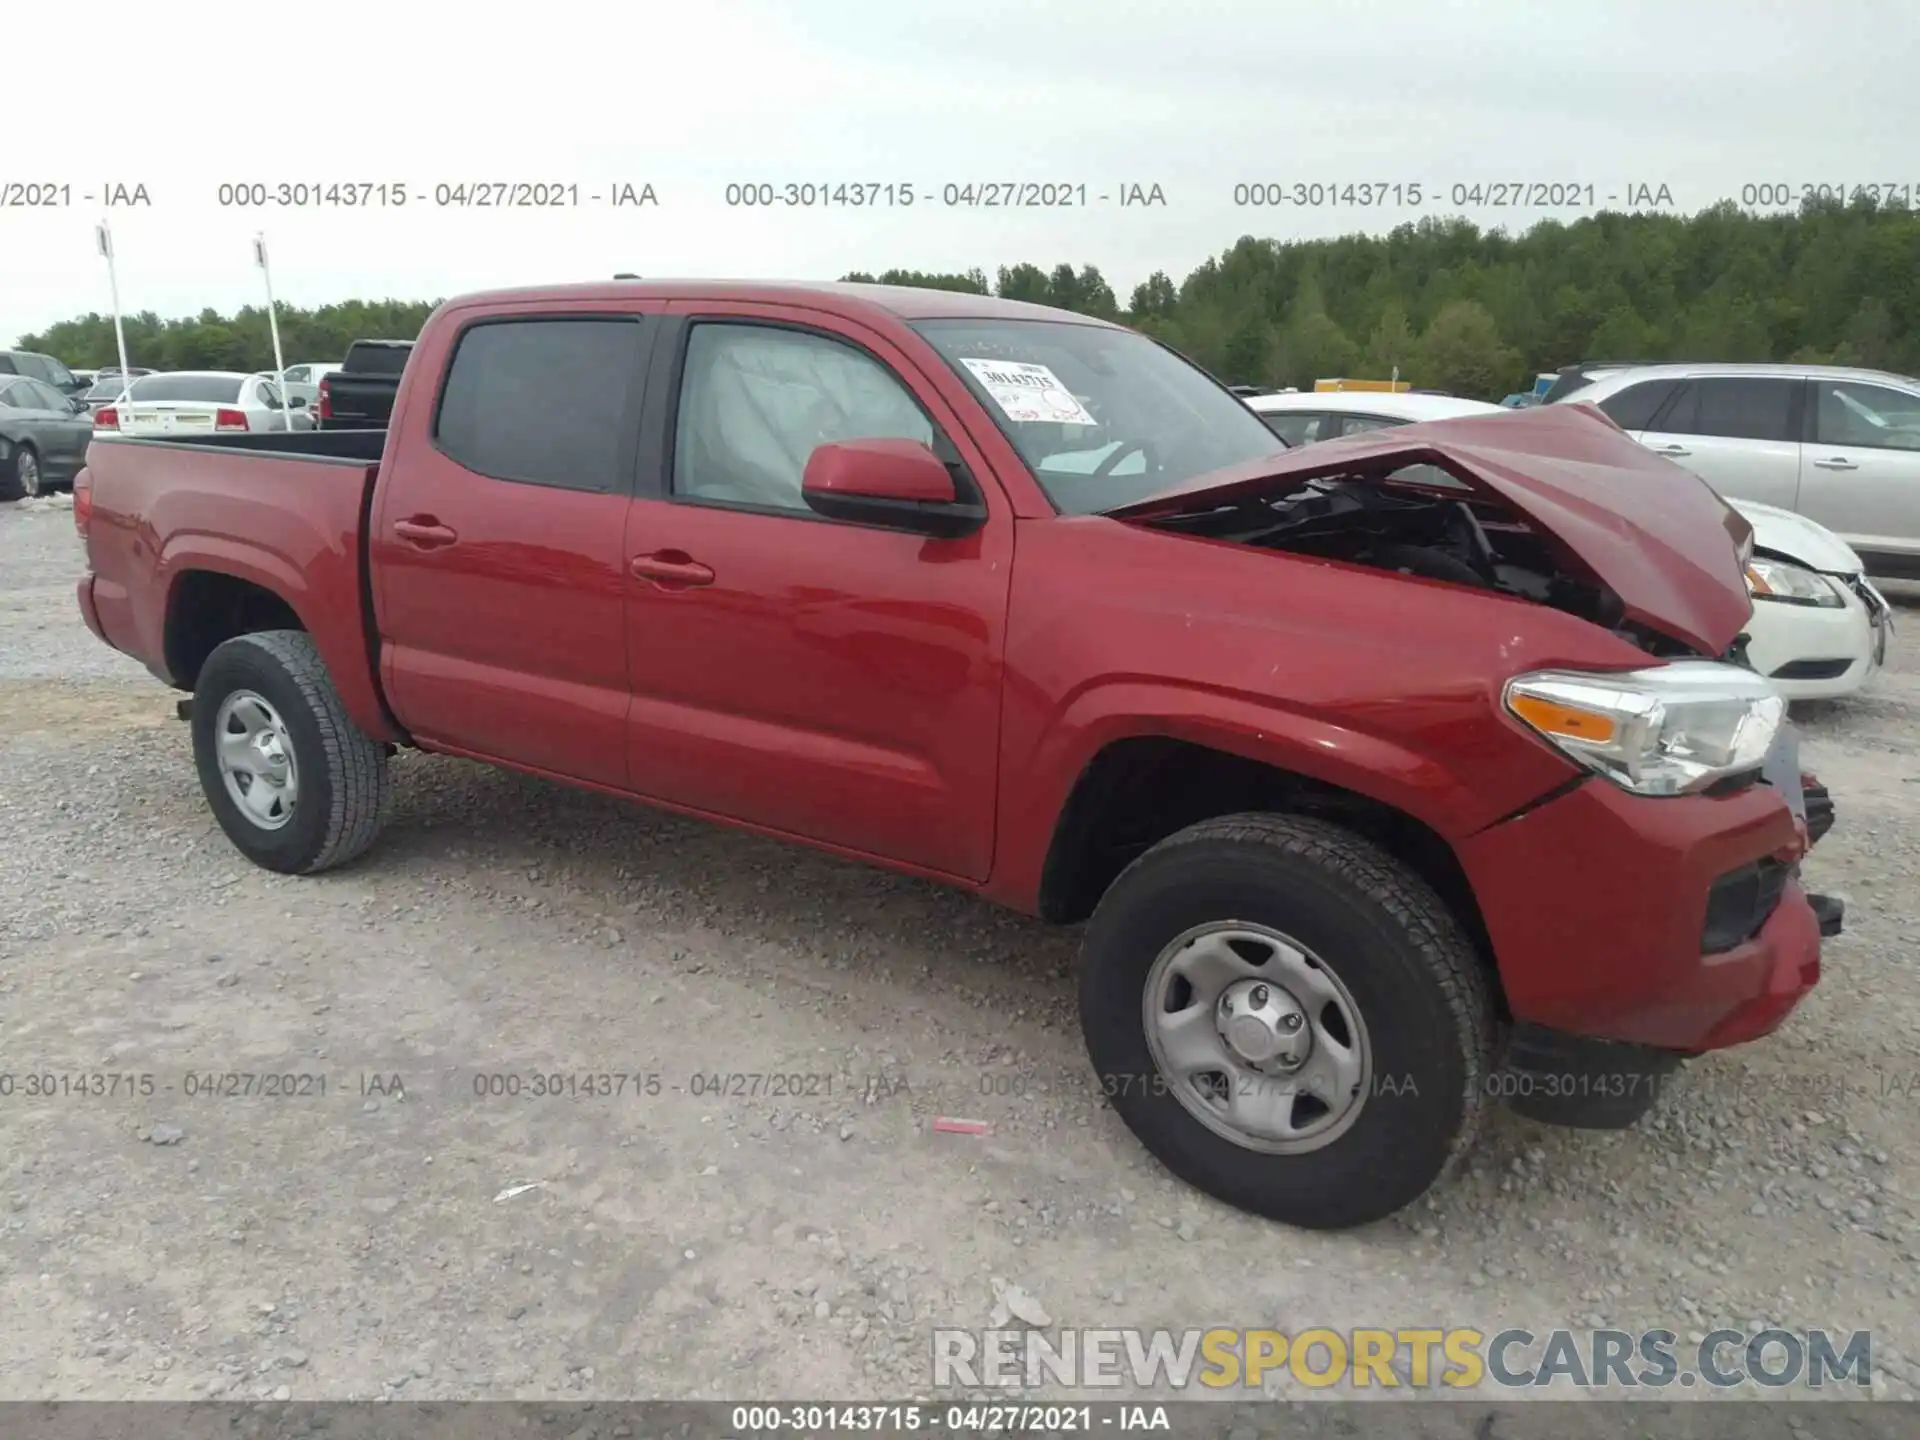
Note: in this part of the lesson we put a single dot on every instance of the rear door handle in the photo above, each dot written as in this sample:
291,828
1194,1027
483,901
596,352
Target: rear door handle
1838,462
671,569
423,532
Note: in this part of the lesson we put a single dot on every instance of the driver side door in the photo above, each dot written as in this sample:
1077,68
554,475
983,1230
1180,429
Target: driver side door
823,679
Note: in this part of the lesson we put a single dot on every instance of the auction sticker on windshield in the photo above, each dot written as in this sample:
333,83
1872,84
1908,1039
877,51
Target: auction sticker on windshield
1027,393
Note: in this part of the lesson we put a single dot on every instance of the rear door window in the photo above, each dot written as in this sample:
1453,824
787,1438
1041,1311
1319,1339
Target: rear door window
1634,408
542,402
1734,408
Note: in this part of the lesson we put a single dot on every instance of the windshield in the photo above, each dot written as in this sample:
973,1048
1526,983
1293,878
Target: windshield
1103,417
107,388
209,389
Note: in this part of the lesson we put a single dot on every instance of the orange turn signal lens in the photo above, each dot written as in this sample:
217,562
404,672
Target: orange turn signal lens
1550,717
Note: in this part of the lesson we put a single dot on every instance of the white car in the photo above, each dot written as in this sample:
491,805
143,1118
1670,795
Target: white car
1819,628
303,381
1839,446
201,402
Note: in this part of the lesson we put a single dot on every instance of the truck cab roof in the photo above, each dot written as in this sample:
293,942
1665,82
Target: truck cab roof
850,299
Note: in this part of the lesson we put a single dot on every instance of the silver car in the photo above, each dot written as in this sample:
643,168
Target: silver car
302,382
202,402
1839,446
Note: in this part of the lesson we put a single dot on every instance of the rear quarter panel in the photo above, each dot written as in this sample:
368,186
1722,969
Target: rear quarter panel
288,523
1383,685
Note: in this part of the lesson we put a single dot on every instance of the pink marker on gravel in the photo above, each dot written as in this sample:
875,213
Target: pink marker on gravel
946,1126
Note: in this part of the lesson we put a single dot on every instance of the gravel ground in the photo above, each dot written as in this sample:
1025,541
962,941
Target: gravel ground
404,1235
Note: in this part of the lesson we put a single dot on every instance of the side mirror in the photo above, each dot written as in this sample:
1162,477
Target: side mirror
79,404
897,484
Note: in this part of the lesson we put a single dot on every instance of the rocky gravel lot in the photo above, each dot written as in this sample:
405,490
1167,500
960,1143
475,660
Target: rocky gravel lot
418,1231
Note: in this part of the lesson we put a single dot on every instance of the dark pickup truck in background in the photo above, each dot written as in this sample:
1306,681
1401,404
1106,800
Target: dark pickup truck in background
359,395
1379,801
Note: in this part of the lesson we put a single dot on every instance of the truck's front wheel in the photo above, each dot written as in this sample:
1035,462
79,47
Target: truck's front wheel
1288,1019
297,786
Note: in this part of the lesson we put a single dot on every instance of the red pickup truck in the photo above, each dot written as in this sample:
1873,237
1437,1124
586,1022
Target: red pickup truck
1393,776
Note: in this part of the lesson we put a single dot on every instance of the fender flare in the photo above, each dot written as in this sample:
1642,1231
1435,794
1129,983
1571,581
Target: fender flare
341,640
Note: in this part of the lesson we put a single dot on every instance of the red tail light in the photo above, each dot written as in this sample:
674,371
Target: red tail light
107,418
224,419
326,397
82,502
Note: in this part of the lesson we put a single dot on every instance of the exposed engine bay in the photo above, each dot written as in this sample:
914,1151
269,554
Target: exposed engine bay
1433,526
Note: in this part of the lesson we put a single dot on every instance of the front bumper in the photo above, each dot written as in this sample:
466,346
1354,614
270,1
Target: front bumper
1821,654
1620,917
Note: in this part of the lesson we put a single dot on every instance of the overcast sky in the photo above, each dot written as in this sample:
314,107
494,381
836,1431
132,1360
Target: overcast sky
1700,96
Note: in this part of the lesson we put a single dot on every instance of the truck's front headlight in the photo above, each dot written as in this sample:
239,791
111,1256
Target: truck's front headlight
1667,730
1791,584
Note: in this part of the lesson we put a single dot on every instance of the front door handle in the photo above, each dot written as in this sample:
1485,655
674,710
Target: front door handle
671,569
1671,450
423,532
1838,462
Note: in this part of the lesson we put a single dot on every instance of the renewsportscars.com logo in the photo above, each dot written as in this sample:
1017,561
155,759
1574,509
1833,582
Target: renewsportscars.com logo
1400,1359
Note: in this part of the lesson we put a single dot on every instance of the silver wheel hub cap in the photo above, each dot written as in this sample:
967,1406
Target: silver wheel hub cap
256,759
1257,1037
1264,1026
29,473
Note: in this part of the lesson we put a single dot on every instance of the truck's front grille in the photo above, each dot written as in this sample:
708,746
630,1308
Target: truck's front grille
1740,903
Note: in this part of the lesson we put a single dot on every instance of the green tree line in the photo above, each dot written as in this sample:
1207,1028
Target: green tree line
1450,306
242,341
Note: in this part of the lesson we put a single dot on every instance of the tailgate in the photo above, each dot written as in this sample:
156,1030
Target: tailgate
363,395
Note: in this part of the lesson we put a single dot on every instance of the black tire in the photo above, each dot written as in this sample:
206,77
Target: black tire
344,792
10,486
1420,988
29,474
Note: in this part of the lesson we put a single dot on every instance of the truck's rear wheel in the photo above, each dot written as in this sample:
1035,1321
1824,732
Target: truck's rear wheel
297,786
1288,1019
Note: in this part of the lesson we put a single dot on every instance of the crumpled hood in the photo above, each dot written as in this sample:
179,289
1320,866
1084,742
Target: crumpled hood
1796,538
1642,527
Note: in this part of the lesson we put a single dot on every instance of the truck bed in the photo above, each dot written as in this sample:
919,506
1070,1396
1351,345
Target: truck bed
286,512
